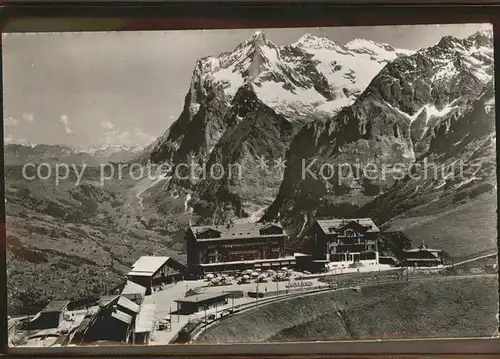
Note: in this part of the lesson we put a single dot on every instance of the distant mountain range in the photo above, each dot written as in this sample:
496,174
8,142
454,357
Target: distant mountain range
19,154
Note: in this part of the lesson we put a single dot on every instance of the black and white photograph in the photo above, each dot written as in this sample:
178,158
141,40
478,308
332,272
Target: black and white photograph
250,185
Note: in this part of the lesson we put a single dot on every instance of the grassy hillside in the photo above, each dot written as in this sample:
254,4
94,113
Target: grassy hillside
457,307
77,241
262,324
466,229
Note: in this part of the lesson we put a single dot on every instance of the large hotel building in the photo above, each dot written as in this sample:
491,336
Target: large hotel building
346,242
237,246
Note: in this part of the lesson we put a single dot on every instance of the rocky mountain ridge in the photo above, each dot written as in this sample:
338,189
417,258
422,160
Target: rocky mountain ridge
409,110
248,104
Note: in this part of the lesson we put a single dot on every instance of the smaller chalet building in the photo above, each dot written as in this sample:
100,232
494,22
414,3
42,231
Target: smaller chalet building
108,302
110,325
51,316
422,257
113,322
236,246
200,302
133,291
144,324
344,240
151,271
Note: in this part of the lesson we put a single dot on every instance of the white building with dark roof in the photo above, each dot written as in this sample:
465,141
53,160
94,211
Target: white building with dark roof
151,271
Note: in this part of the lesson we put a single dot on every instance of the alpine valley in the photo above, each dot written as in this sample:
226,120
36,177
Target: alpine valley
270,111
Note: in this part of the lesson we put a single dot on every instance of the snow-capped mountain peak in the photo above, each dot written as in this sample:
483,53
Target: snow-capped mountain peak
108,149
315,74
375,48
259,37
316,42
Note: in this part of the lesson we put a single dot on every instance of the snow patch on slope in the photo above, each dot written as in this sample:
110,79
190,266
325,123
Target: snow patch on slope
432,111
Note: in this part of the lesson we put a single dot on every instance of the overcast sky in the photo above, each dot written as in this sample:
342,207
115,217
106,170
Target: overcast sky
83,89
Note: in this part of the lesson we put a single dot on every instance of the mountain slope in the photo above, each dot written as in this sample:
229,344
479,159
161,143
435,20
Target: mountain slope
401,117
450,196
260,86
75,242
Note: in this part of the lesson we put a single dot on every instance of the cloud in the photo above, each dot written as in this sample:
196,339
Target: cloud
135,137
144,137
116,137
65,122
11,122
29,116
9,139
107,125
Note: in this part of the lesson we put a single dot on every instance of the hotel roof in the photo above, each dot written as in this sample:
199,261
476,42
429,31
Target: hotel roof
334,225
237,230
145,319
425,249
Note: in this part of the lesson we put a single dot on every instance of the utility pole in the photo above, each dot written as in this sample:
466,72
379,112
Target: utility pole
170,314
257,293
232,298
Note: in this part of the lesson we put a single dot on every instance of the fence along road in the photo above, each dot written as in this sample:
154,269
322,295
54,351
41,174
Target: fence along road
422,277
